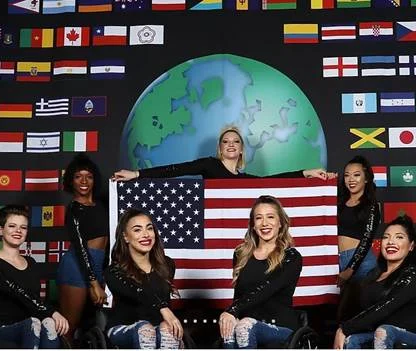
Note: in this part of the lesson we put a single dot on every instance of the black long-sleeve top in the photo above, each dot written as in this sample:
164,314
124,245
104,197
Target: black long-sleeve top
396,304
19,294
268,296
352,225
85,223
135,301
208,168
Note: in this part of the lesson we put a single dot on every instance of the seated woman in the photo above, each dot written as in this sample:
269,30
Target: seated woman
387,295
140,278
25,320
265,274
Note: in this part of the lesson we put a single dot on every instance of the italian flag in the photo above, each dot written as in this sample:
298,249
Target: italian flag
80,141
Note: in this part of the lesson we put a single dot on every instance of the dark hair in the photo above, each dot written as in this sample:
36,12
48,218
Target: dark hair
10,210
81,162
120,254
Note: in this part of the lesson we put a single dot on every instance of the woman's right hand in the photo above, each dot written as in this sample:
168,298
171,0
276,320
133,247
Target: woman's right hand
124,175
227,323
97,293
61,323
175,326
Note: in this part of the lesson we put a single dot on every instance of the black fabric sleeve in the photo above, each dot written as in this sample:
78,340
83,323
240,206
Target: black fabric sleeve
294,174
276,280
196,167
74,217
123,287
367,238
403,291
27,298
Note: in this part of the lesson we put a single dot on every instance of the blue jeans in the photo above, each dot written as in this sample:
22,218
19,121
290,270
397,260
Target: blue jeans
31,333
142,335
248,333
385,337
367,264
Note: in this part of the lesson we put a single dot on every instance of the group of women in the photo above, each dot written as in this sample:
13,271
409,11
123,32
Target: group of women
266,266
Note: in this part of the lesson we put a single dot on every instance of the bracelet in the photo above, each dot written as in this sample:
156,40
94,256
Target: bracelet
136,173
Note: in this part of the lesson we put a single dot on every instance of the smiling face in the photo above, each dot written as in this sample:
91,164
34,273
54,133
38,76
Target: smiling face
354,178
231,147
140,234
15,230
83,183
266,222
395,244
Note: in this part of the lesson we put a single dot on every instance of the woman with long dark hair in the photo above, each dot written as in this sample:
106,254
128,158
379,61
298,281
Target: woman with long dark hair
266,270
140,278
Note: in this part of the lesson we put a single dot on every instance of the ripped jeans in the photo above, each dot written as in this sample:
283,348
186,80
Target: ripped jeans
249,332
385,337
31,333
142,335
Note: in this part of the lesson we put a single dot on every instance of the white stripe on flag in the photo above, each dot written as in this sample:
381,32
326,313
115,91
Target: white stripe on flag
277,192
107,69
397,102
41,180
317,290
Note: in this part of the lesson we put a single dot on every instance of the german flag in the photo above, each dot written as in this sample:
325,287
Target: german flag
15,110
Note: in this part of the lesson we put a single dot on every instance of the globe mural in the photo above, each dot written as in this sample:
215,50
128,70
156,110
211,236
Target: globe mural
179,117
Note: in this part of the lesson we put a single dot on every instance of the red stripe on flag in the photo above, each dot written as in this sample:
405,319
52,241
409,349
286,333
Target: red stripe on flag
70,63
109,40
252,183
36,33
10,180
42,174
58,216
286,202
170,7
287,40
294,222
315,300
337,32
16,107
92,141
11,137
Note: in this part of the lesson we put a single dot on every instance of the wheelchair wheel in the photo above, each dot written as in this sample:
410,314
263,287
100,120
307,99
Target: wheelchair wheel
94,339
304,338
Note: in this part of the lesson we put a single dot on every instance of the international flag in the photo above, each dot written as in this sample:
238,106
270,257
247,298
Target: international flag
72,36
395,209
89,106
36,38
335,32
68,68
131,5
80,141
52,107
168,5
7,70
402,175
217,4
11,142
300,33
43,142
239,5
346,66
45,180
372,66
109,35
56,250
15,110
380,176
147,34
33,72
107,69
10,180
376,30
201,223
322,4
50,7
407,65
49,290
390,3
48,216
34,249
30,7
406,31
8,36
42,291
95,5
343,4
397,102
279,4
402,137
359,102
368,138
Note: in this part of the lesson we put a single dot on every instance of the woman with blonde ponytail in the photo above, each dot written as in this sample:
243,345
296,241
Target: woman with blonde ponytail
265,274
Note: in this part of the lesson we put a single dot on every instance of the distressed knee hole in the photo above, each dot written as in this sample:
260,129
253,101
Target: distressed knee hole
35,326
167,340
147,336
49,325
380,336
242,331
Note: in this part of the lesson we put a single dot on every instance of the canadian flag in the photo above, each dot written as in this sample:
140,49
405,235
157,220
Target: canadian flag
73,36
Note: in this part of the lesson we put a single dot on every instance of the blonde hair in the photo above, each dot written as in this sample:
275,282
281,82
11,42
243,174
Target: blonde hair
246,249
242,158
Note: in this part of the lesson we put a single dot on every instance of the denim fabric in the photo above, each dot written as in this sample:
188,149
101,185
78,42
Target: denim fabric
359,341
29,334
393,335
249,333
369,262
69,272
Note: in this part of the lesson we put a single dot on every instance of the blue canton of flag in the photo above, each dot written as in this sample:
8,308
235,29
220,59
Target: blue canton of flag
176,205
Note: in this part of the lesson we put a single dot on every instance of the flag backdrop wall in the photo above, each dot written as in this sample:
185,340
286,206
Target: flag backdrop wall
136,83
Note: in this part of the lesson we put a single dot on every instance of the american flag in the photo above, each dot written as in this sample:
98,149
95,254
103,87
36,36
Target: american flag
202,221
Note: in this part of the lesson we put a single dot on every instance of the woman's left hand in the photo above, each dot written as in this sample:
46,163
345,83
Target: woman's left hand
318,173
344,276
339,339
61,323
